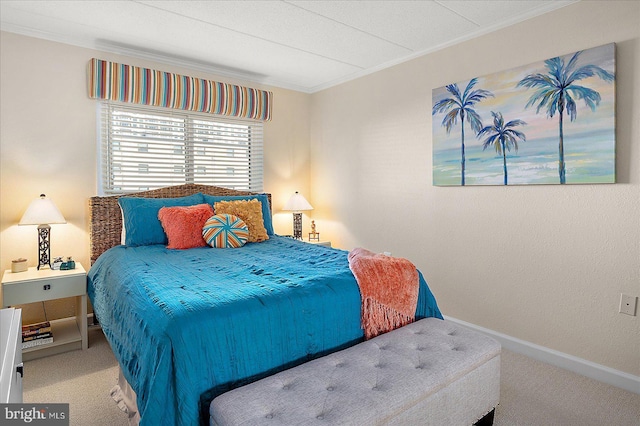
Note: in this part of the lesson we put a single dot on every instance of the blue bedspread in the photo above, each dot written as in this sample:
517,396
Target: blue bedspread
187,324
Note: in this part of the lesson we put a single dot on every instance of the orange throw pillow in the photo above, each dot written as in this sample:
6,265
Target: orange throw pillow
250,211
183,225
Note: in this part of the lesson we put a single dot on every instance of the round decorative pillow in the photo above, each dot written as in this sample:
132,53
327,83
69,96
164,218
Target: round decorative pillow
225,231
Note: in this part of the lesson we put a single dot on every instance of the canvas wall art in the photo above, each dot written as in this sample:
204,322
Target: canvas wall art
550,122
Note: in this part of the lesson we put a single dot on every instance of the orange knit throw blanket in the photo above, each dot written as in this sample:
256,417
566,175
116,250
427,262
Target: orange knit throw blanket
388,288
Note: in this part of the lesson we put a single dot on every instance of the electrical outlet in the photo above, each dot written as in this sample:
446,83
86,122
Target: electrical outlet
628,304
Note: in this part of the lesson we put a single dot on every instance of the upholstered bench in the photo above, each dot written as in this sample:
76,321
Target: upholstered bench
430,372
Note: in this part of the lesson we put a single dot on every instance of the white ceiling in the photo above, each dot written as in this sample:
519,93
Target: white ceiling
300,45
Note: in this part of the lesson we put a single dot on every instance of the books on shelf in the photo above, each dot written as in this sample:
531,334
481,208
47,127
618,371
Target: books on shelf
33,329
36,334
36,337
37,342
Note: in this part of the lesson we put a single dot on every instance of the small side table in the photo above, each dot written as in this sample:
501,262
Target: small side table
320,243
36,285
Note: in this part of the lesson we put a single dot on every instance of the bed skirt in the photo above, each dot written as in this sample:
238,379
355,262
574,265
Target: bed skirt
124,395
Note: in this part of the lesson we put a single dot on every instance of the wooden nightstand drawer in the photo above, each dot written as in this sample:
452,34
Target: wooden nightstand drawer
23,292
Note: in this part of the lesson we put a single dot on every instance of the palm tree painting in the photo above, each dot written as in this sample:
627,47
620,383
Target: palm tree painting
557,90
568,105
461,105
503,137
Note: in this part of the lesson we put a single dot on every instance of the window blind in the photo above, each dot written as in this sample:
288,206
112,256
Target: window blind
144,148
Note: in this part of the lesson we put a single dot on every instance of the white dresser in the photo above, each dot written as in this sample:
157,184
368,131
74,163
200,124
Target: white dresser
11,369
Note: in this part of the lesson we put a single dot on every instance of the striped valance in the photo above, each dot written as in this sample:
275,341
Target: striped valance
127,83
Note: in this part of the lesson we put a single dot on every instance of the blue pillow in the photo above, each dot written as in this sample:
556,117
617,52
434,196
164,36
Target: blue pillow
263,198
140,217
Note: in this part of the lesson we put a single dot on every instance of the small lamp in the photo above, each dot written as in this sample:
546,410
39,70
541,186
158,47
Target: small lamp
297,203
42,212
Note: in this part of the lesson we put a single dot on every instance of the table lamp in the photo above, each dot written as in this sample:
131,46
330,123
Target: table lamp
42,212
297,203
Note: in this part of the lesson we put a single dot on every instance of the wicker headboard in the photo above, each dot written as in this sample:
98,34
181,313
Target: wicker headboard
106,218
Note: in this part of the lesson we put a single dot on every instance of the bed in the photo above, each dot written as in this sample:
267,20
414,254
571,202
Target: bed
188,325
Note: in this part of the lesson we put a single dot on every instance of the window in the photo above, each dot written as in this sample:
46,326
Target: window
145,148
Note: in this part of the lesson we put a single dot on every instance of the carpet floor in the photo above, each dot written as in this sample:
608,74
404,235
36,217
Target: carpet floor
532,393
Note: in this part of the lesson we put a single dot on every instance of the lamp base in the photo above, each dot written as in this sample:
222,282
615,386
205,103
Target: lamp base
44,248
297,226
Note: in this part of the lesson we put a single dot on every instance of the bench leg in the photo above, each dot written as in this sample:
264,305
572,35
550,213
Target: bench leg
487,420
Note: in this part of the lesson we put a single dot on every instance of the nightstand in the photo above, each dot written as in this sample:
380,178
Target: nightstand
35,285
320,243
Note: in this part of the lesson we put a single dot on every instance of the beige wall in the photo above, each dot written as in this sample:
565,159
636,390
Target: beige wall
48,145
545,264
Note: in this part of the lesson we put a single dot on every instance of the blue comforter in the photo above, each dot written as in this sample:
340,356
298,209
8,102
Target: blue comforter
186,325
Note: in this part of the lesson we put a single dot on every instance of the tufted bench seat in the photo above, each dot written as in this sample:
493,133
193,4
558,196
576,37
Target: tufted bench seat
430,372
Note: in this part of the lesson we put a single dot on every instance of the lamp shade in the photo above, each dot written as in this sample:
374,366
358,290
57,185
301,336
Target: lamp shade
297,203
42,211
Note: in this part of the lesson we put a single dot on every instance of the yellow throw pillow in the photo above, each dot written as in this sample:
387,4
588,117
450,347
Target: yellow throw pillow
250,211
